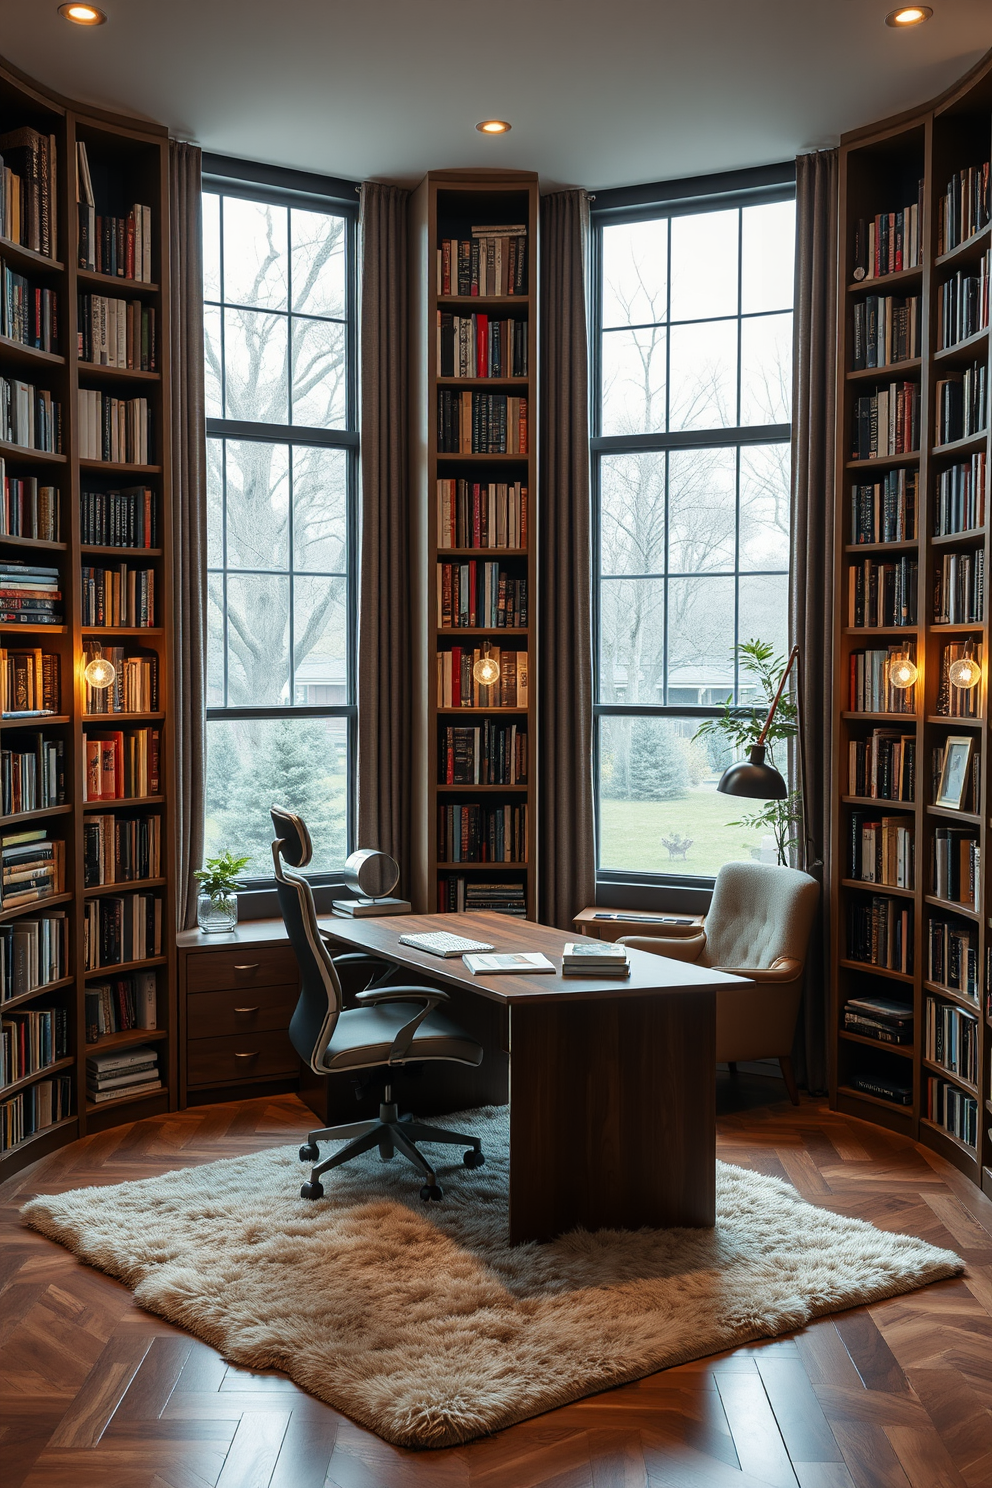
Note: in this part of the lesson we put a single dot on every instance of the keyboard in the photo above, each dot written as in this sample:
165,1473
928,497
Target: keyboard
441,943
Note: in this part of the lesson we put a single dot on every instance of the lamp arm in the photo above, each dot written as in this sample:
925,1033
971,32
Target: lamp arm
793,658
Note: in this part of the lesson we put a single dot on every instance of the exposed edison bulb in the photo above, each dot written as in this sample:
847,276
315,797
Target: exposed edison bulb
903,671
964,673
100,672
486,670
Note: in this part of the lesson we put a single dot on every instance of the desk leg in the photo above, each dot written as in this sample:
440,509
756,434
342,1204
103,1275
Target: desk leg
612,1114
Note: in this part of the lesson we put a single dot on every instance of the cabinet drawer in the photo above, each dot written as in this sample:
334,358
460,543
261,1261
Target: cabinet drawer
245,966
239,1010
243,1056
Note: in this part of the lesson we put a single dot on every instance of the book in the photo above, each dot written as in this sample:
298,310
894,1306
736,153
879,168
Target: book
508,963
112,429
883,1008
149,1087
600,952
30,416
116,1061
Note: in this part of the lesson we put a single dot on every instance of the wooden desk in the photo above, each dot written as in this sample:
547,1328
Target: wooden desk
612,1083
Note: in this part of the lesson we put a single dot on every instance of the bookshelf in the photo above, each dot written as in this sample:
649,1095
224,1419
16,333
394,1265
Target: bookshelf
916,587
472,352
128,164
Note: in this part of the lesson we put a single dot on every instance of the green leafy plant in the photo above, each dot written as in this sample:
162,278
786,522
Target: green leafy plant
738,727
219,876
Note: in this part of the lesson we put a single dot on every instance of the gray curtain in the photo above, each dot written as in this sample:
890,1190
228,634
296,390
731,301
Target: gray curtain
384,660
812,560
566,851
189,521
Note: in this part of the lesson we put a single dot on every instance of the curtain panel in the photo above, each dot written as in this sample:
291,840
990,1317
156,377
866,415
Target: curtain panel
812,557
189,521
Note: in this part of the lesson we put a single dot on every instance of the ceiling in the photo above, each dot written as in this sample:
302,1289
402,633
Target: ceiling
599,92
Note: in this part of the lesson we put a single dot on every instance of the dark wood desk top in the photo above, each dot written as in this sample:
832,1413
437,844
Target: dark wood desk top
648,973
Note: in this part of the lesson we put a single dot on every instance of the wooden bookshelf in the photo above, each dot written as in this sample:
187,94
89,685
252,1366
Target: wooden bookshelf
880,168
130,163
448,204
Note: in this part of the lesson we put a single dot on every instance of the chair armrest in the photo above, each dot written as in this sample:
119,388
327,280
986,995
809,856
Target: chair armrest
352,963
686,948
431,996
785,969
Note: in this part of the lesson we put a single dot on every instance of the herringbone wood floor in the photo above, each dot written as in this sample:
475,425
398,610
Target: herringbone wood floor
95,1393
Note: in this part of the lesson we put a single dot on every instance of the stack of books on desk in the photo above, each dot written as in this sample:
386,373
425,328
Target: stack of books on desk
122,1072
586,958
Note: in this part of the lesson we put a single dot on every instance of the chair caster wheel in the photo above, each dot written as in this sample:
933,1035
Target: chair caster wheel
431,1191
309,1152
474,1157
312,1191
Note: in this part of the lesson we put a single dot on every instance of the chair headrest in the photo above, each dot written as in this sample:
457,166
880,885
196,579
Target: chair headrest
291,831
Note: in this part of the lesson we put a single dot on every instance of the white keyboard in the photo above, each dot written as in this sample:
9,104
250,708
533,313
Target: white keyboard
441,943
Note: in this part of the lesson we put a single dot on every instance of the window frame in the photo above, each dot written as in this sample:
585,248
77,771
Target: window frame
764,185
274,186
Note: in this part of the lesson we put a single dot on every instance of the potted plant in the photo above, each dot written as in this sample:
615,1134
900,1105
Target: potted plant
217,902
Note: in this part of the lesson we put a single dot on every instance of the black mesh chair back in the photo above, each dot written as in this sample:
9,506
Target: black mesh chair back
320,1000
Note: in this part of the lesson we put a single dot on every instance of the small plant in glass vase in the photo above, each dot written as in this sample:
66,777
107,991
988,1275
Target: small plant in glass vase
217,901
738,726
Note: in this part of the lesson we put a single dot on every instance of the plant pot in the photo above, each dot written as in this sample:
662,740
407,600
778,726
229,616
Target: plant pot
216,914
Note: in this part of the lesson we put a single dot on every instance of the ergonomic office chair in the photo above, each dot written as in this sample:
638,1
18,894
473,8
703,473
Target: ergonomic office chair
391,1027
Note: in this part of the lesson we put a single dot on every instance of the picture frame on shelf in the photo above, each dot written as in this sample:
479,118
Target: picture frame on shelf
954,772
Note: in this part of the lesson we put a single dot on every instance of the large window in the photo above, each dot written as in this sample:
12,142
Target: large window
282,470
691,468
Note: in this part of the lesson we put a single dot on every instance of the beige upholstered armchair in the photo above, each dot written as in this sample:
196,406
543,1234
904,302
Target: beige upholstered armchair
758,926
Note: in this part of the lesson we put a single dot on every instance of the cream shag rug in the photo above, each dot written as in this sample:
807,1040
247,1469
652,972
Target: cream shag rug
422,1323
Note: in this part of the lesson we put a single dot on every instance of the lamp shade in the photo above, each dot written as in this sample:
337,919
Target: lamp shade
754,778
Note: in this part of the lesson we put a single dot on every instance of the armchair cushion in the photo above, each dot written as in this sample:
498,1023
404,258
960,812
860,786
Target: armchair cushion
686,948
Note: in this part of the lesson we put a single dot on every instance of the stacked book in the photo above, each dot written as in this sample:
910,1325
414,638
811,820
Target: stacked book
32,868
594,958
28,509
896,1091
122,1072
879,1018
29,595
461,895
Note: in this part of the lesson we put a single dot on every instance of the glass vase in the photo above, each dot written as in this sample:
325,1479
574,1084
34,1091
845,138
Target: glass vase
217,913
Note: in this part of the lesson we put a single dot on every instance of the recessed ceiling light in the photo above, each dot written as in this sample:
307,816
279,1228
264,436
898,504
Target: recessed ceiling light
83,15
908,15
493,126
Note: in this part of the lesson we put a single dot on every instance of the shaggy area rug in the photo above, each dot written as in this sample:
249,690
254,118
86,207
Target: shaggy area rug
422,1323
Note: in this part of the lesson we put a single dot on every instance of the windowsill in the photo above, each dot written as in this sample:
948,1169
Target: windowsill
618,890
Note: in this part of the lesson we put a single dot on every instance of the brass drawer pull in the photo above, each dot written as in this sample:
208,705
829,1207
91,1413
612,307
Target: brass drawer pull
250,966
252,1055
246,1010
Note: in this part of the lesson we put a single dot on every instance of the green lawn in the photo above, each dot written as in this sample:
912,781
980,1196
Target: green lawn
632,832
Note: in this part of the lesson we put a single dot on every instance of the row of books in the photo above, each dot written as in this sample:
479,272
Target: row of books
122,1003
890,241
882,592
951,1039
881,850
121,849
122,766
479,346
135,685
32,774
959,589
121,246
121,929
480,514
476,593
467,896
880,932
481,423
953,1109
30,416
33,1110
971,796
887,510
118,596
31,1040
960,503
879,1018
958,702
33,952
116,333
493,261
482,834
887,422
28,313
962,403
32,866
489,753
457,687
118,1073
952,957
965,207
119,519
956,866
28,508
883,766
870,689
963,305
886,330
29,682
29,189
114,429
